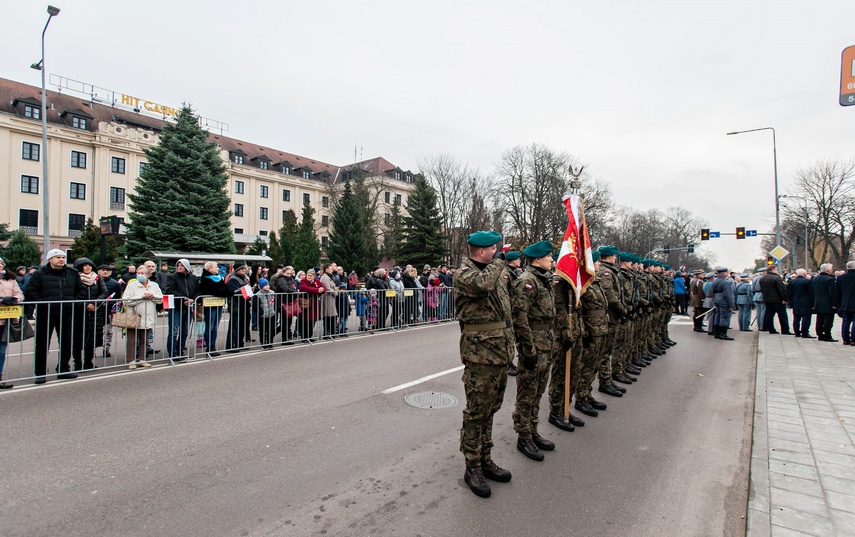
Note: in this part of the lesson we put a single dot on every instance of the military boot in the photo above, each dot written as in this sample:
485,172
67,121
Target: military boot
596,404
494,473
639,362
628,373
559,422
542,442
583,406
723,334
621,377
608,389
528,448
632,369
474,477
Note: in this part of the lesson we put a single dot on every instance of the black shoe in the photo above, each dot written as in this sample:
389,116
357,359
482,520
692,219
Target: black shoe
699,330
576,422
670,342
639,363
179,360
831,340
808,336
542,442
494,473
585,407
529,449
67,376
647,357
621,389
620,377
626,374
232,351
474,477
596,404
108,355
655,352
786,333
40,380
773,332
608,389
631,370
6,386
512,370
559,422
722,335
152,351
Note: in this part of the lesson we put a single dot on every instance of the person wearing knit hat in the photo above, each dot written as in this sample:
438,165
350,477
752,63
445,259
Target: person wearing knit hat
483,307
184,286
266,301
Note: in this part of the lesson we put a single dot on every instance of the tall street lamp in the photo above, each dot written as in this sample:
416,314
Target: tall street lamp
40,66
777,202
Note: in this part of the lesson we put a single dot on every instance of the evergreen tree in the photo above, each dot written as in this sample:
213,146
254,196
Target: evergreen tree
257,247
21,251
394,234
288,236
423,241
307,249
180,201
5,235
274,250
347,240
89,244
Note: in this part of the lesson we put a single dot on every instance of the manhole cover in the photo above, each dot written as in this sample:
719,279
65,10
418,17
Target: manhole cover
431,400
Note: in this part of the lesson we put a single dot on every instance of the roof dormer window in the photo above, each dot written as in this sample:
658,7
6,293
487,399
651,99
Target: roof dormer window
307,174
32,112
238,158
263,164
78,122
286,170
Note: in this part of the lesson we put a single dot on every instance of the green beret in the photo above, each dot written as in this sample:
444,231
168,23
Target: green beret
596,255
646,262
667,267
636,258
512,256
538,249
484,239
606,251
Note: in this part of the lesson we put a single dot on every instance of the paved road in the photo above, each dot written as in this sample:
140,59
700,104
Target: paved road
303,441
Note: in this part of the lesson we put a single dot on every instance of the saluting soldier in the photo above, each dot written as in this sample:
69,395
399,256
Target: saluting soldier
483,306
596,318
512,266
533,316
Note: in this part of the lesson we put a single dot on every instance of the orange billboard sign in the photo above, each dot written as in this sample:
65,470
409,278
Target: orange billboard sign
847,77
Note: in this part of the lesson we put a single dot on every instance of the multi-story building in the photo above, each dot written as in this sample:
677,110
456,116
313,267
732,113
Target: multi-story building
95,155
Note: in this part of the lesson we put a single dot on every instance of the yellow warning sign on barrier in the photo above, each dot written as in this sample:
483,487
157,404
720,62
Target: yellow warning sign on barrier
408,292
11,312
213,301
391,293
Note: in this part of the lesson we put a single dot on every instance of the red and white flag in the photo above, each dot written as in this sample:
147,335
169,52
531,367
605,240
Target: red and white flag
246,291
168,302
575,263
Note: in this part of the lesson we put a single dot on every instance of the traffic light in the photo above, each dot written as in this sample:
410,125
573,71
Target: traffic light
705,234
690,248
667,249
770,260
740,233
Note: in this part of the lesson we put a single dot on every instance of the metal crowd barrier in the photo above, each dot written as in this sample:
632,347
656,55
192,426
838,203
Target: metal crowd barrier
68,337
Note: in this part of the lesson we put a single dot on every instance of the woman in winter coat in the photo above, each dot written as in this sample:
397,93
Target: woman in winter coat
239,310
141,297
379,282
10,294
328,308
212,284
309,316
410,279
432,298
88,320
397,301
287,289
744,302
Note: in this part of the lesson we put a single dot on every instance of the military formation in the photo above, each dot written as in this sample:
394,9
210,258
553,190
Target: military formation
610,332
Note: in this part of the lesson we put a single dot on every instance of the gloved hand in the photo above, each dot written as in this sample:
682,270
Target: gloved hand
500,255
8,300
566,344
529,362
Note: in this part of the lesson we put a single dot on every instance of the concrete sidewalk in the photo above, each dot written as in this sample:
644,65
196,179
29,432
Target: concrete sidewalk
803,457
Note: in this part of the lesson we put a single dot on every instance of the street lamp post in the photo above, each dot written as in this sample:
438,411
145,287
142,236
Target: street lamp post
775,157
52,12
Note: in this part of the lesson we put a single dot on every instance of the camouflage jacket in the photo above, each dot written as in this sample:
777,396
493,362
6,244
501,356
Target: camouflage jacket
656,283
643,282
607,276
481,298
568,316
533,307
594,309
626,280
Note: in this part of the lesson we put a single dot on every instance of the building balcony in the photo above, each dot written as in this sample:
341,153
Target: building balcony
117,206
29,230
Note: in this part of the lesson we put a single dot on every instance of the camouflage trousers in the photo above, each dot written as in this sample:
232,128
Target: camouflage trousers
611,345
592,356
556,376
665,321
531,383
484,386
624,337
641,335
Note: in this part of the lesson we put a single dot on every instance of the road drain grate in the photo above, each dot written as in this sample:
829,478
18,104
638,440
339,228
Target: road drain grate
431,400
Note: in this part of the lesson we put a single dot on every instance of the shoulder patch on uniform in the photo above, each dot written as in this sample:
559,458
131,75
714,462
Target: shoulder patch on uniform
529,286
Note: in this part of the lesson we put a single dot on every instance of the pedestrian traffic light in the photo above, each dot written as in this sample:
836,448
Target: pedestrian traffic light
740,233
705,234
690,248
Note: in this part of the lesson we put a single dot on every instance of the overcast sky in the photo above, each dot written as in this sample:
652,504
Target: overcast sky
641,92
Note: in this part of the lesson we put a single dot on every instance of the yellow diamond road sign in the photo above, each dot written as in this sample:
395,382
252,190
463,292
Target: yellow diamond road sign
778,253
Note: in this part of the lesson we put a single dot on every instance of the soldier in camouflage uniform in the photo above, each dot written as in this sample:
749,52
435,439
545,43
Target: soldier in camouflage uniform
608,275
595,315
643,316
533,316
626,330
569,330
512,266
483,307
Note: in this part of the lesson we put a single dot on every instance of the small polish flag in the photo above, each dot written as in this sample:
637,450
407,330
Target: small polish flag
168,302
246,291
506,247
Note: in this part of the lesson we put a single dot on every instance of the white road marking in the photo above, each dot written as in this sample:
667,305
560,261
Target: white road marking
419,381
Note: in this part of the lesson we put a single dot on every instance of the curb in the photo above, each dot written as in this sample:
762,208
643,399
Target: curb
759,517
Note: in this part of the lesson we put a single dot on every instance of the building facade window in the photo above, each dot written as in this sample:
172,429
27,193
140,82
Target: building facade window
142,166
307,174
306,199
387,219
239,159
30,151
117,165
286,195
78,159
238,231
264,191
325,201
76,222
239,187
325,221
398,175
238,209
263,164
262,233
78,191
286,170
262,213
117,198
324,242
32,112
29,184
79,122
387,197
397,199
28,221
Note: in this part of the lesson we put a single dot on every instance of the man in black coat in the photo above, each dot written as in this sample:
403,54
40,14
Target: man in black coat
184,285
800,297
846,299
775,298
114,293
825,301
54,284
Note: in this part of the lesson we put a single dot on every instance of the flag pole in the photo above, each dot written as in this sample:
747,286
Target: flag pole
568,356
